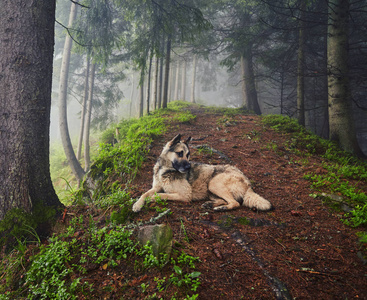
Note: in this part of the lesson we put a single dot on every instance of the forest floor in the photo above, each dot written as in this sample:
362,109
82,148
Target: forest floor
299,250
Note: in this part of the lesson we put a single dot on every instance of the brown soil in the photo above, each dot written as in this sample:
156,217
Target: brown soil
300,250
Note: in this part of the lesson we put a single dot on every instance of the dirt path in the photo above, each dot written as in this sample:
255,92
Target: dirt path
298,251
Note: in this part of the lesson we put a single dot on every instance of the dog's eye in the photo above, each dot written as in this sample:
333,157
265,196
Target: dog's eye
180,154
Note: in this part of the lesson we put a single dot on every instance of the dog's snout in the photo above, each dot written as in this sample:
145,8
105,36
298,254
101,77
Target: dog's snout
182,166
187,165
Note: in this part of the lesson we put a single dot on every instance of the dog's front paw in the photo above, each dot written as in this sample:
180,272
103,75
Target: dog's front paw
208,205
221,208
137,206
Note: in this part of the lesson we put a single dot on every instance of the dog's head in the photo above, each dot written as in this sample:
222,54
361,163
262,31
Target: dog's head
178,153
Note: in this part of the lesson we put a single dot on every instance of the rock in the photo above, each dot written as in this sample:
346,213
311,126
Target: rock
159,236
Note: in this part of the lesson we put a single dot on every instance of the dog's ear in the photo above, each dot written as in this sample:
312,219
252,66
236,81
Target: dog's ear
189,139
175,140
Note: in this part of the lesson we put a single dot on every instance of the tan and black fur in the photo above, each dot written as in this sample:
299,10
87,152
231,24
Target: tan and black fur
176,178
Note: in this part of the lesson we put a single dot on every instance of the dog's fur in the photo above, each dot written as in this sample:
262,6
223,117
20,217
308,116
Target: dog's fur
175,178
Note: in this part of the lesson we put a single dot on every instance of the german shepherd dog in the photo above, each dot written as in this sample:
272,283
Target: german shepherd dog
176,178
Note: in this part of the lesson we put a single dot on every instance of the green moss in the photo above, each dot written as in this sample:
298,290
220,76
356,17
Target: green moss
19,225
243,221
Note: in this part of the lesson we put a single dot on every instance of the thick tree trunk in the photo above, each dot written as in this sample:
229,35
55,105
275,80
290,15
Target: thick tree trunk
166,74
248,81
82,116
88,118
63,120
193,79
341,122
300,69
27,40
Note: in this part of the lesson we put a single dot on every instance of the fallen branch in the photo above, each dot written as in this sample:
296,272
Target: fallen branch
314,272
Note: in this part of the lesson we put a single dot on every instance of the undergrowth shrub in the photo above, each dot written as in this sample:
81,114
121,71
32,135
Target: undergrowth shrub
342,168
300,138
46,278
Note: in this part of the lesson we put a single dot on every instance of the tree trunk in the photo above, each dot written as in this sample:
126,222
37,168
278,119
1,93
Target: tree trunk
183,84
166,74
341,123
300,69
82,117
193,79
155,85
88,118
149,81
131,95
177,79
161,63
141,102
281,90
248,82
27,44
63,121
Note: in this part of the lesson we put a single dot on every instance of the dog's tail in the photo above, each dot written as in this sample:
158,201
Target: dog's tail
253,200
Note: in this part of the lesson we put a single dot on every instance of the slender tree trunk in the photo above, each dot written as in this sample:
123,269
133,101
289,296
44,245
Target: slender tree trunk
324,95
166,75
149,81
341,123
281,90
161,63
171,82
88,118
26,47
248,81
63,120
82,117
193,79
183,85
141,102
300,68
131,95
160,89
177,79
155,86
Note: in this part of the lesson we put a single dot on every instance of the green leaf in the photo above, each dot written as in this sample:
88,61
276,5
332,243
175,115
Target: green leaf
178,270
195,274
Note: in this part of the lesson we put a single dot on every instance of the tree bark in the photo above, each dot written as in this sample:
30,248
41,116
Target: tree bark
166,74
193,79
300,68
248,81
82,116
341,123
88,118
63,120
27,44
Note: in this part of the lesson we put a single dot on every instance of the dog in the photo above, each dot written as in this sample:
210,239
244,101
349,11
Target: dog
176,178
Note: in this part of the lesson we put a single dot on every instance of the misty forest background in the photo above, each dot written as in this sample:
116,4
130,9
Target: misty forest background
117,60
